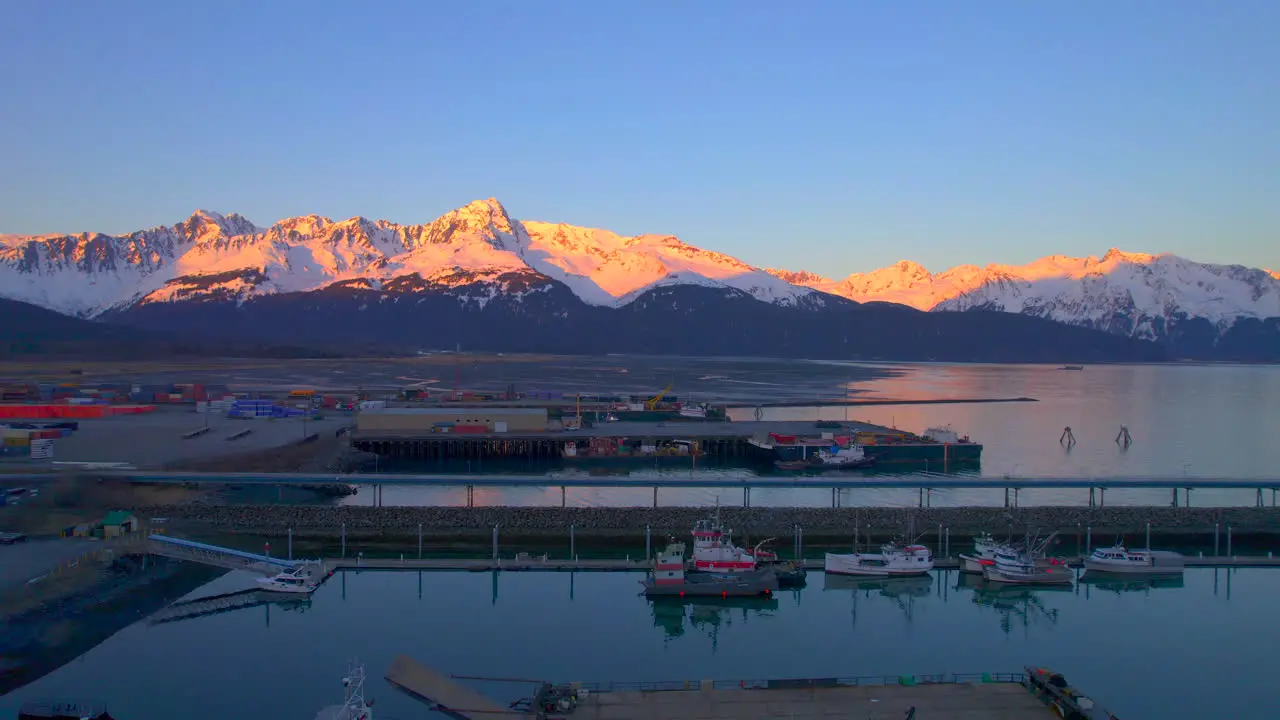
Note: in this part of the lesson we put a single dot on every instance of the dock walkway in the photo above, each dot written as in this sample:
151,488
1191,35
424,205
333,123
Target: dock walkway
637,565
442,693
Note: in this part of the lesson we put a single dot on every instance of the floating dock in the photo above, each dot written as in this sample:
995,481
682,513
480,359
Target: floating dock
1009,696
442,693
822,699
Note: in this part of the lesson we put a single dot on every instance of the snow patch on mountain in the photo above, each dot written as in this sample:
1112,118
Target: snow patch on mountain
1129,293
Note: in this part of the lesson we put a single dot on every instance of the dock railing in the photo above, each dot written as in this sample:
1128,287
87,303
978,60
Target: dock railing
777,683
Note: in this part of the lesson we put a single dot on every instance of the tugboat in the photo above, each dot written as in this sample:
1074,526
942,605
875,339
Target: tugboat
669,579
892,560
354,705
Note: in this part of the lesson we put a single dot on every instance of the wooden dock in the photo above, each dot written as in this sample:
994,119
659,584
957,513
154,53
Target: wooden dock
442,693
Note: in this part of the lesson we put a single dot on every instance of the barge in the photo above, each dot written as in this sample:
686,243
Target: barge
939,446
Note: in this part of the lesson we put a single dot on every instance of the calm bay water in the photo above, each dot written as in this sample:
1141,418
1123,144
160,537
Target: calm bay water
1186,420
1196,650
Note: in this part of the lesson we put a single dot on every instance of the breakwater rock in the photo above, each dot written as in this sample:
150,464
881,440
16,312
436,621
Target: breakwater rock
758,522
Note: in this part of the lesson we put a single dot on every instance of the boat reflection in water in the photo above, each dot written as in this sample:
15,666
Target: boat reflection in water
901,591
1112,583
707,614
1019,605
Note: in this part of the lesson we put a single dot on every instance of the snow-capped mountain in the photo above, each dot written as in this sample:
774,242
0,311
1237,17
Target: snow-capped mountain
478,258
1133,294
228,257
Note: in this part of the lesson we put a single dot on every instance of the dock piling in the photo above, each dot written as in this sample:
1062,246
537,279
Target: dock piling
290,542
947,544
419,541
648,544
940,538
344,540
1216,527
495,542
799,542
1228,541
1088,540
1148,536
573,552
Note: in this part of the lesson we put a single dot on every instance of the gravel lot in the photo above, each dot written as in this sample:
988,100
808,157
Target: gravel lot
25,560
152,439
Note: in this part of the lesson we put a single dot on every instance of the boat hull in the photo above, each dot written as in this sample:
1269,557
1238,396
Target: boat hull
974,564
715,585
1133,570
1049,576
865,566
286,589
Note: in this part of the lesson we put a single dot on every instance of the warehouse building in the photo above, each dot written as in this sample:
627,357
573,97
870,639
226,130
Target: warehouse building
445,420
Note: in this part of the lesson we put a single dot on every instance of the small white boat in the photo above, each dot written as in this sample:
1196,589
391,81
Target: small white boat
694,411
1119,561
853,456
892,561
297,581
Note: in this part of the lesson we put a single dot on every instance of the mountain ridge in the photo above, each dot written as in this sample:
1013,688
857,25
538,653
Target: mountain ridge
478,252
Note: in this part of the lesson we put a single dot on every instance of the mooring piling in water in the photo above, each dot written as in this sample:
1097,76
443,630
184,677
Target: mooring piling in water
1123,438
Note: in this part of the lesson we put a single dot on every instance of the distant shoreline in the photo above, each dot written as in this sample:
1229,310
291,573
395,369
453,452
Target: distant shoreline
863,403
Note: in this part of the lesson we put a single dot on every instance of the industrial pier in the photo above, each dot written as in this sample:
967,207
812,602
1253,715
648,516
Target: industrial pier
529,434
1011,696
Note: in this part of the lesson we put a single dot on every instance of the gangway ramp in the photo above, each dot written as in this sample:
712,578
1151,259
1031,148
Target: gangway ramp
445,695
180,549
227,602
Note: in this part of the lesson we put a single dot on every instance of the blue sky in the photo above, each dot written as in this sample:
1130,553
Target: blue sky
833,137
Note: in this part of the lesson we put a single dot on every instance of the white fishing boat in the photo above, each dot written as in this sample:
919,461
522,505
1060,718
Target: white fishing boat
893,560
1117,560
354,704
984,553
297,581
714,551
1024,568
